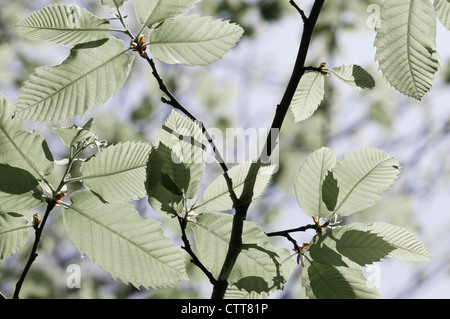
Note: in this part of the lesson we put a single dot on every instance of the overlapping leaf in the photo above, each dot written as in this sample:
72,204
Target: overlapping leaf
64,24
22,149
185,139
406,246
354,75
129,247
89,77
168,180
13,233
193,40
155,11
259,268
362,176
19,190
118,172
324,281
308,96
309,181
248,182
406,46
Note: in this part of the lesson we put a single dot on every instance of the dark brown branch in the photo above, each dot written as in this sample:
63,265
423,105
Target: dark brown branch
292,230
302,13
187,248
33,254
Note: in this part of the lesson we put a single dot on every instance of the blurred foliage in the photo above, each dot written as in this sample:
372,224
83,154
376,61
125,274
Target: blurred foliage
222,96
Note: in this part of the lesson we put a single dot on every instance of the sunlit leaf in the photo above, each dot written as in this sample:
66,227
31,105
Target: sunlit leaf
117,173
308,96
150,12
406,46
13,233
22,149
309,181
64,24
193,40
129,247
362,177
88,78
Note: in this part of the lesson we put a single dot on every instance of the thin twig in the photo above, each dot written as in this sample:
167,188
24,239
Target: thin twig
302,13
187,248
33,253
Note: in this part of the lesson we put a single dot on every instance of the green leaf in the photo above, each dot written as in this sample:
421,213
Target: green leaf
185,138
349,245
442,9
309,181
75,136
129,247
322,281
117,173
167,180
150,12
308,96
19,190
113,3
13,233
88,78
406,46
248,182
64,24
406,245
22,149
259,267
362,176
193,40
355,76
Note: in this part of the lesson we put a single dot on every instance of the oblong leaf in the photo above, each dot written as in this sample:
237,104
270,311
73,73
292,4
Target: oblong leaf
243,176
129,247
322,281
308,96
309,181
117,173
406,46
21,149
354,75
193,40
13,233
406,245
155,11
362,177
64,24
89,77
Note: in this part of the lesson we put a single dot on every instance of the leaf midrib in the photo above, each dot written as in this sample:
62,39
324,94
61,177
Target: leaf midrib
22,109
358,182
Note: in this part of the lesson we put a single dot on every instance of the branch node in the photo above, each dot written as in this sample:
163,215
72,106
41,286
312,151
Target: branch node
302,13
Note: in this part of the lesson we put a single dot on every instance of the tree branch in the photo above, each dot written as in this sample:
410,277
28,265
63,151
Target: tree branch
235,244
